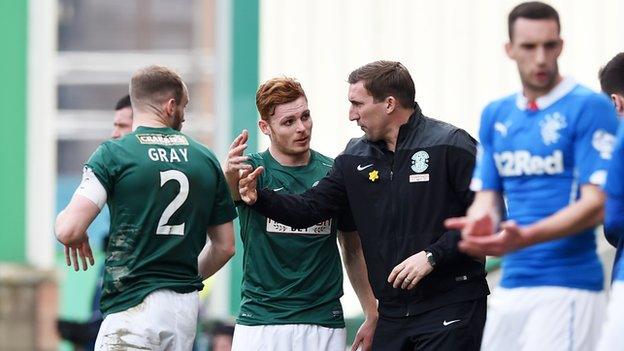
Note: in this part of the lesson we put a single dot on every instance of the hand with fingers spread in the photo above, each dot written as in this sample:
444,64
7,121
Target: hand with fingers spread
80,250
247,185
236,163
483,225
409,272
510,238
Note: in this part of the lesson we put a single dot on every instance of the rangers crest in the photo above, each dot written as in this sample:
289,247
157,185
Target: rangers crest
603,142
551,125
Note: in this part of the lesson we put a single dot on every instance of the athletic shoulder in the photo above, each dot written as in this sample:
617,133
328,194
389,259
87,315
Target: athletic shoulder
202,149
320,159
357,147
256,159
442,133
106,151
498,107
590,98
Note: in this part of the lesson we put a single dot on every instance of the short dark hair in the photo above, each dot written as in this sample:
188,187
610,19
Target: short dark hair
155,84
386,78
612,75
535,10
123,103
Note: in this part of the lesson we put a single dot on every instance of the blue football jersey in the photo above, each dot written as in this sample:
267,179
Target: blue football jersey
614,208
538,159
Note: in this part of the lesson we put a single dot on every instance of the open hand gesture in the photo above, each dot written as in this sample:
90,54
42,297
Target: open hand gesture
247,185
236,162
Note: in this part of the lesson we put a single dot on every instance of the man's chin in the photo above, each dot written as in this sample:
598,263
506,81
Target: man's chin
299,150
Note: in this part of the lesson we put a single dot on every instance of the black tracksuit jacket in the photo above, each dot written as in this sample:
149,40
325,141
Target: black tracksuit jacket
398,202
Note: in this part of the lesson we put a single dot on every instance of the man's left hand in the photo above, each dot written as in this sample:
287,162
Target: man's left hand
511,238
409,272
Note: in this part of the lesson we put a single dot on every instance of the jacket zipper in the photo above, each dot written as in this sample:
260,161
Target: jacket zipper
393,219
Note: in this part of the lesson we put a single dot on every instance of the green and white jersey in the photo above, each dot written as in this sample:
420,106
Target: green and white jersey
163,190
290,276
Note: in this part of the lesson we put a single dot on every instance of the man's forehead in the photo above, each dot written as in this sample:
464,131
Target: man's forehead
358,90
125,112
527,29
296,106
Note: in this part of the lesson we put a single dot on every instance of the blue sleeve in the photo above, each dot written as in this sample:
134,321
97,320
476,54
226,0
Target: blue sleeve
485,175
614,207
594,139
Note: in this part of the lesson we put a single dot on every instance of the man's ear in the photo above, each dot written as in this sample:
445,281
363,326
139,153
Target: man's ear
264,127
508,50
170,107
618,100
390,104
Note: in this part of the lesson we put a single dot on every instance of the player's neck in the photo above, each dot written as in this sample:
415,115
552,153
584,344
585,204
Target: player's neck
290,160
532,94
148,120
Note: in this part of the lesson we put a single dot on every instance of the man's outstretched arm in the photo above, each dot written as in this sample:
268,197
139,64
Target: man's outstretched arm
580,215
319,203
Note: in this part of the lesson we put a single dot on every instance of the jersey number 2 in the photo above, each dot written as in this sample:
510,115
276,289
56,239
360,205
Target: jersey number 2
163,227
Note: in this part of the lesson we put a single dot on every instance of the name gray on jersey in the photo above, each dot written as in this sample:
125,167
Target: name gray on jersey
167,155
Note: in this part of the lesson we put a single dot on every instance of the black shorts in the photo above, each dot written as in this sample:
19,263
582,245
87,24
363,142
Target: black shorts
458,326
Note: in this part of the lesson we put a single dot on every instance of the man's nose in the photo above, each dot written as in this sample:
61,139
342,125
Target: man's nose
540,55
353,116
300,126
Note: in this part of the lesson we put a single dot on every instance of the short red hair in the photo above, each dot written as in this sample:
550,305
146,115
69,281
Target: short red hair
277,91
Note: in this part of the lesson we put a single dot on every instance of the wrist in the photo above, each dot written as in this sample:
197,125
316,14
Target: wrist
372,315
529,235
431,259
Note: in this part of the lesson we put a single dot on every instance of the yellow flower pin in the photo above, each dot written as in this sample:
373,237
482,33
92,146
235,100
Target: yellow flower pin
373,175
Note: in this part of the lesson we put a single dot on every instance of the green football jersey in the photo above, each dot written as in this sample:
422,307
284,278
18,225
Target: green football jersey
290,276
163,190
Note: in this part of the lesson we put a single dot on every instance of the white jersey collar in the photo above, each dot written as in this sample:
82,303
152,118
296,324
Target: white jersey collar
560,90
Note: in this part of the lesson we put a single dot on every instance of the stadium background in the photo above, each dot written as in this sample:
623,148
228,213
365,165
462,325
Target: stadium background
65,62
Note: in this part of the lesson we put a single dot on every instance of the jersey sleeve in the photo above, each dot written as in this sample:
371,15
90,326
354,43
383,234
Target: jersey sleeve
103,165
594,140
223,210
326,200
485,175
91,188
345,221
614,187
